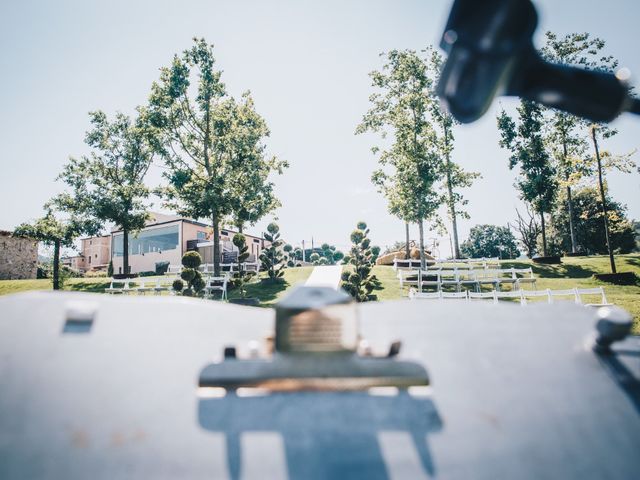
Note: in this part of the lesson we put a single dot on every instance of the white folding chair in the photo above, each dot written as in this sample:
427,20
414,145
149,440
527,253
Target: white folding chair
527,277
517,294
217,284
415,295
429,278
593,291
483,295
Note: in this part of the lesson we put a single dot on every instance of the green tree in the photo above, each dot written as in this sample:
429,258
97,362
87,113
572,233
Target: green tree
189,107
109,184
411,165
588,215
537,180
56,233
490,241
252,193
271,257
565,132
455,176
358,281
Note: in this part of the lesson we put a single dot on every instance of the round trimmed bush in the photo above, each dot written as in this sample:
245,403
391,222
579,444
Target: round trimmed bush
191,259
188,274
177,285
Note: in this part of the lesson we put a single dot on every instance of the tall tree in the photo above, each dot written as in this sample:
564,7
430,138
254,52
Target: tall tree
606,161
411,165
209,143
566,134
108,185
253,192
455,176
57,233
537,181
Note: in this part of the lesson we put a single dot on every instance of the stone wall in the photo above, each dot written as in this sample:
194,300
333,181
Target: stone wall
18,257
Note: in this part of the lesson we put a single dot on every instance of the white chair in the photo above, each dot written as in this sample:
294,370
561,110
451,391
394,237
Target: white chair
517,294
483,296
415,295
163,284
112,287
429,278
593,291
217,284
450,278
144,287
487,277
407,277
454,295
572,293
527,277
468,278
506,276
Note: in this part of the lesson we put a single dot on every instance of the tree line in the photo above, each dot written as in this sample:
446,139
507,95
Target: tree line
210,145
555,152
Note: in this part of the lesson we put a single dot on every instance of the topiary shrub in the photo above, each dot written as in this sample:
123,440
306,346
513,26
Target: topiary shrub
177,285
272,258
241,277
110,269
195,283
358,281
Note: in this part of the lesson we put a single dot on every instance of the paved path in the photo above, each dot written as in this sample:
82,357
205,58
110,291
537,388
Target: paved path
325,276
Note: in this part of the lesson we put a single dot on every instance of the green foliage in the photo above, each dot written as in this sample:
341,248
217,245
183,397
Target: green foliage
58,233
212,145
314,257
108,185
411,165
490,241
588,216
241,277
537,181
177,285
110,269
161,268
195,283
358,280
191,259
272,257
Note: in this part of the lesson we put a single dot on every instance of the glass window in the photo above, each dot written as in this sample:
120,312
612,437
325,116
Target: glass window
147,241
202,235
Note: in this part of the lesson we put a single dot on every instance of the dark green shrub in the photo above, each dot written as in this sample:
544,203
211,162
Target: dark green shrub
110,269
272,258
161,268
191,259
147,274
358,281
177,285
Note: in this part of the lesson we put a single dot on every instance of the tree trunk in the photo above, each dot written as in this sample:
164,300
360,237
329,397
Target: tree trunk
544,235
125,251
216,246
452,206
572,231
56,265
407,249
604,201
422,259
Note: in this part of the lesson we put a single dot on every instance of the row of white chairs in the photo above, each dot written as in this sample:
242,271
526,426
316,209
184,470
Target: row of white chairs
522,296
516,277
225,267
165,284
466,263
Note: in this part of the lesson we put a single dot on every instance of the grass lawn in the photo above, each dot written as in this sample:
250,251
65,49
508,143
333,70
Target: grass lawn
573,272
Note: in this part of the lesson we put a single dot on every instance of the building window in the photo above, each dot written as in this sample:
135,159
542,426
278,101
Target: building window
201,235
89,259
148,241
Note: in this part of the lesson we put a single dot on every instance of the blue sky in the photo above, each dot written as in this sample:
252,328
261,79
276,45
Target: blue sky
307,66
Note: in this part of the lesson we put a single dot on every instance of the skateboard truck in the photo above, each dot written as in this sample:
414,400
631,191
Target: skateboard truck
316,348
